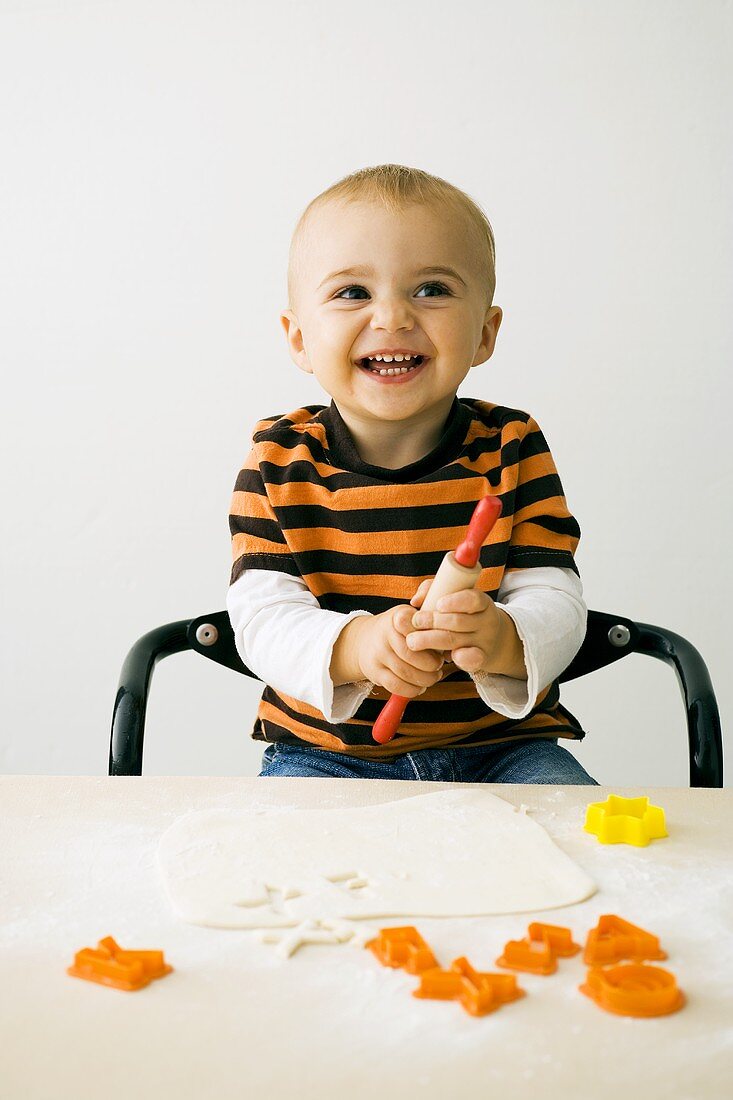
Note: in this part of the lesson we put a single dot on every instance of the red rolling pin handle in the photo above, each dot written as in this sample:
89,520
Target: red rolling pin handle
390,716
457,571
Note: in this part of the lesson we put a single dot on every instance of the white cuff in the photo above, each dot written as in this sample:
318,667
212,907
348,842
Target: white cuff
286,639
549,613
508,695
337,704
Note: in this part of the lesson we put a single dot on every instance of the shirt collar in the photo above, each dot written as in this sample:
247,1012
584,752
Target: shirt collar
343,449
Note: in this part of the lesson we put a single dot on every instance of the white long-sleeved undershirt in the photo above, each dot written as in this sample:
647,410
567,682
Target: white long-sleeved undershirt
286,638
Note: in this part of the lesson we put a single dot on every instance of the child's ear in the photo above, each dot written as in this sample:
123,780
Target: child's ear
294,336
488,336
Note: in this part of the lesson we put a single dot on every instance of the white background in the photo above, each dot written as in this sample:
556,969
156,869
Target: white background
155,159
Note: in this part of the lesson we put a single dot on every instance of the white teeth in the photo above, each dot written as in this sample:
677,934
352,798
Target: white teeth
397,370
390,358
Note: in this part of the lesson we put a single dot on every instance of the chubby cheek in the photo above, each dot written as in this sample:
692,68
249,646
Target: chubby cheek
452,333
330,362
337,348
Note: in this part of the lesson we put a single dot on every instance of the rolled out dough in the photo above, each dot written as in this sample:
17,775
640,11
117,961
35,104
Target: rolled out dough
449,853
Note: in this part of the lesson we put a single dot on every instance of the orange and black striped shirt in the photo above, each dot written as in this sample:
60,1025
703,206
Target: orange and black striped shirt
364,537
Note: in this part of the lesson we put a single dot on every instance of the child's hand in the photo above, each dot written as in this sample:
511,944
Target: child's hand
468,625
386,660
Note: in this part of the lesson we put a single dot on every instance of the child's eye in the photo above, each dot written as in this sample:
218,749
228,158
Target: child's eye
350,288
438,286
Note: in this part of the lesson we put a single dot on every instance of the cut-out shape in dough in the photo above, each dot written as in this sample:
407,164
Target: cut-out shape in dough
323,931
308,931
465,852
352,880
356,935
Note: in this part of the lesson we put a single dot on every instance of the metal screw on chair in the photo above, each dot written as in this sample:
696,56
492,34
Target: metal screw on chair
619,635
207,634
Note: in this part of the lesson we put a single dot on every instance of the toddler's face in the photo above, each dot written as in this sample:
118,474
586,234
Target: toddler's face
368,282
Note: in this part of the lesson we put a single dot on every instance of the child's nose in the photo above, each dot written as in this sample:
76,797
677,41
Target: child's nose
392,314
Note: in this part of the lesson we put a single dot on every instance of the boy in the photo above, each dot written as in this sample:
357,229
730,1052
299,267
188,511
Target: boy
342,513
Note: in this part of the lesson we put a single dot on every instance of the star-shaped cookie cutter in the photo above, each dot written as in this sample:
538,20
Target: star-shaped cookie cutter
477,992
625,821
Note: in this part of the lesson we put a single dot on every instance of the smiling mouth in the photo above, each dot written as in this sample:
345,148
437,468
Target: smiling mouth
391,369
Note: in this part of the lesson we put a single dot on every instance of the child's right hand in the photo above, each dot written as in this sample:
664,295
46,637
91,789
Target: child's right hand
386,659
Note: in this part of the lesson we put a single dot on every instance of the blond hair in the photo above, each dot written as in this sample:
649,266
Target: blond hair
397,187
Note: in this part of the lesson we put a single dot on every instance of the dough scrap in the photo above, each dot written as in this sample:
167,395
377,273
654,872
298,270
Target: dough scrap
450,853
323,931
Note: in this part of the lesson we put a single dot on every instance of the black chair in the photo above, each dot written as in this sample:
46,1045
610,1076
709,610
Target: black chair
608,638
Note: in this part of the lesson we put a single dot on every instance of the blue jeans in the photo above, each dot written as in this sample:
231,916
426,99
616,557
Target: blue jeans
538,760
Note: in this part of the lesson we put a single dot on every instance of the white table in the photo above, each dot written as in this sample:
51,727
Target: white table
78,862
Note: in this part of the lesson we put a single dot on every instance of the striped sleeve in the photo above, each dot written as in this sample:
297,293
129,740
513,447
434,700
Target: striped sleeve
257,538
544,533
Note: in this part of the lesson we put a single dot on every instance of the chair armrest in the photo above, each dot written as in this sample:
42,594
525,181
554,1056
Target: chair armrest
128,716
705,740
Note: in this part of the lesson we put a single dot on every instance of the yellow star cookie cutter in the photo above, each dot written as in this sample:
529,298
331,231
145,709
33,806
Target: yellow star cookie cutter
625,821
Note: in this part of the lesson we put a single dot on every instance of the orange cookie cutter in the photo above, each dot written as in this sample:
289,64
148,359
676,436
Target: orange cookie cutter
539,951
109,964
634,989
478,993
403,947
614,939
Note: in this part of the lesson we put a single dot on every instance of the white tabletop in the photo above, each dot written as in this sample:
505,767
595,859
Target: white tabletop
78,862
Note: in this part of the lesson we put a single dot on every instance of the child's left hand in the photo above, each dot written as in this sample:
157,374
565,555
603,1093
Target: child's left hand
468,624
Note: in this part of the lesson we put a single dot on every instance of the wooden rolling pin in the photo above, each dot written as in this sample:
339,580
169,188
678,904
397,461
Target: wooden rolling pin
459,569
